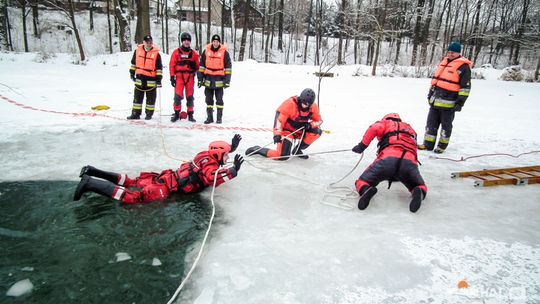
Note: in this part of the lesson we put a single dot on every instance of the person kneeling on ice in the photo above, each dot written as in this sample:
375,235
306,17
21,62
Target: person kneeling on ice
296,118
396,160
191,177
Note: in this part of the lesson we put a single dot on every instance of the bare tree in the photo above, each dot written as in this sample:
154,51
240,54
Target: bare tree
35,17
143,20
417,27
520,30
109,25
209,21
24,13
341,25
309,17
247,4
4,27
124,31
280,25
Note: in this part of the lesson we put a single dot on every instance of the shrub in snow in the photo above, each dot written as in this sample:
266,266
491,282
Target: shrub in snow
478,74
43,56
513,73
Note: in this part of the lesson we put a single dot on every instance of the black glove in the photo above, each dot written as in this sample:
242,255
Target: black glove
238,160
227,85
431,91
359,148
235,141
277,139
173,81
459,104
132,76
307,127
199,84
159,83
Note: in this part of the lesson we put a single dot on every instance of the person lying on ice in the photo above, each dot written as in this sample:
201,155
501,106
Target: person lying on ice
296,118
396,160
191,177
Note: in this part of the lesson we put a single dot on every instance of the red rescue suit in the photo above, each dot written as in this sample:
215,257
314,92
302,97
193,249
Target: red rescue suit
396,155
183,65
289,118
191,177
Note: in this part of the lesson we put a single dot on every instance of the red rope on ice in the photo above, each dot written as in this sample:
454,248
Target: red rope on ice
137,122
483,155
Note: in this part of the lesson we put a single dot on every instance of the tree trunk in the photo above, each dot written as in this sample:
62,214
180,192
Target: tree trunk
76,30
425,33
124,32
197,44
417,27
223,21
280,26
91,9
537,72
520,31
268,19
35,18
244,31
109,25
167,26
310,14
209,21
341,26
200,26
4,41
143,21
25,31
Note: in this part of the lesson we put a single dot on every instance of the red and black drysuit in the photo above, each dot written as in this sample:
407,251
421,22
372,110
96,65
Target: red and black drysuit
396,156
183,65
191,177
290,117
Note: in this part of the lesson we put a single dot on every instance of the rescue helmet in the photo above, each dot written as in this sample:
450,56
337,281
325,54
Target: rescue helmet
392,116
307,96
218,148
185,36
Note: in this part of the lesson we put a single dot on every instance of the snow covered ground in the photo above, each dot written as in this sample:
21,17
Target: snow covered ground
276,242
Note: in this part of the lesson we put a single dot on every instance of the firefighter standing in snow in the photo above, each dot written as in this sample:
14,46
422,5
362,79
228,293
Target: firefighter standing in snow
396,160
146,72
215,74
296,118
191,177
449,90
183,65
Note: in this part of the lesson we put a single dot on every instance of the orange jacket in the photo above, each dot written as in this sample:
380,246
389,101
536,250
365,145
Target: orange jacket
215,61
290,118
446,76
145,62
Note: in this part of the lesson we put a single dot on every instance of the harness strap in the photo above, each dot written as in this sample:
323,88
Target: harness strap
398,166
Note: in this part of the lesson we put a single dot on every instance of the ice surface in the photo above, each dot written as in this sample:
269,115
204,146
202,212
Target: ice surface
122,256
273,241
20,288
156,262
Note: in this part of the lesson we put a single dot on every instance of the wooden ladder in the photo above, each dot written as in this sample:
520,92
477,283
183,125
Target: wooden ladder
508,176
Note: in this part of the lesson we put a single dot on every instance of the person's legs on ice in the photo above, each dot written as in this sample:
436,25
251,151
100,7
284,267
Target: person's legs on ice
98,186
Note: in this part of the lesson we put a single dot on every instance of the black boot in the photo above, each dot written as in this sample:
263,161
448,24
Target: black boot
93,171
190,117
257,150
210,116
175,116
148,117
416,201
91,184
365,197
219,115
298,151
134,115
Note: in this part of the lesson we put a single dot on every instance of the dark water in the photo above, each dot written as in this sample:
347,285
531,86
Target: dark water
71,246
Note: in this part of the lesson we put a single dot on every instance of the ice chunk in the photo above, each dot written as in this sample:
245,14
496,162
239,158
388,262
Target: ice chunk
156,262
122,256
20,288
